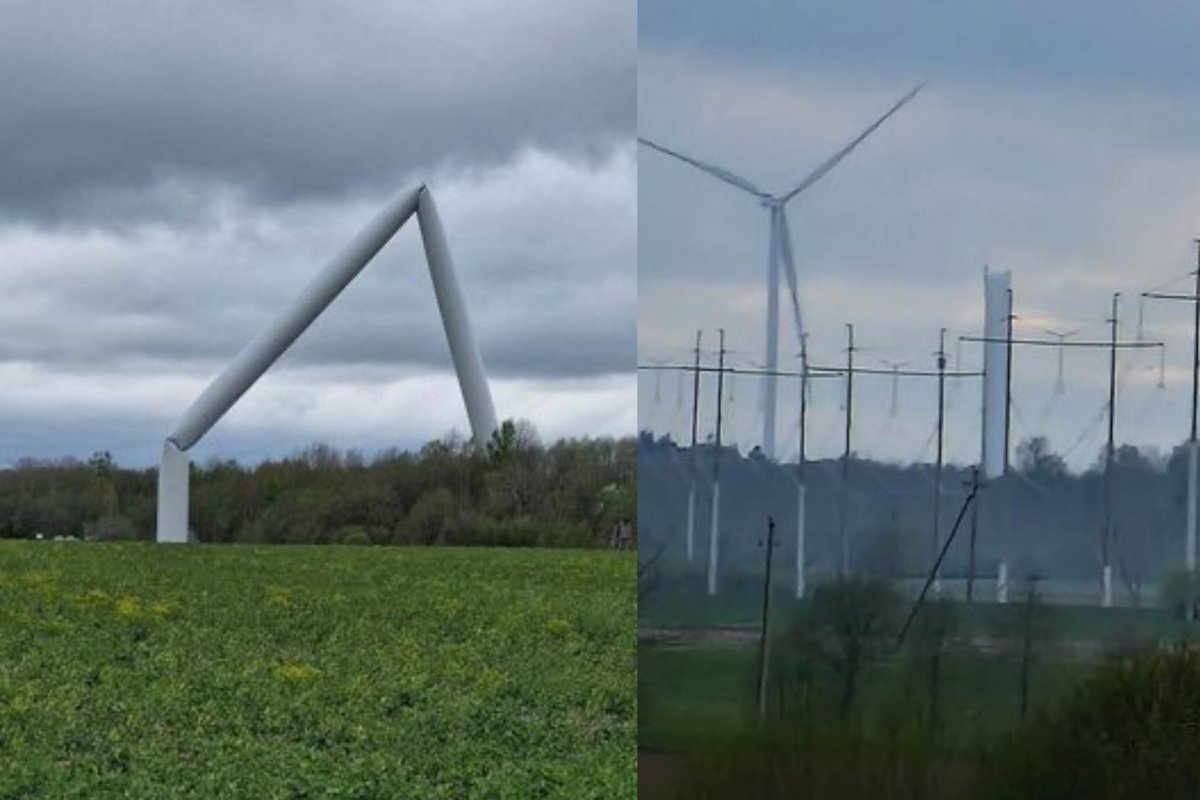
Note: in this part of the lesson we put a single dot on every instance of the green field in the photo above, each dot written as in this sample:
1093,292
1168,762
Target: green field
916,725
142,671
695,697
680,605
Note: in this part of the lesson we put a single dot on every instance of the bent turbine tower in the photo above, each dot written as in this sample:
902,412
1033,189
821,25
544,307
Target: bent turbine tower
265,349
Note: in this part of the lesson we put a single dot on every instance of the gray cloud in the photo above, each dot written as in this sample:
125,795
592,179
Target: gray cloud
300,100
545,247
170,174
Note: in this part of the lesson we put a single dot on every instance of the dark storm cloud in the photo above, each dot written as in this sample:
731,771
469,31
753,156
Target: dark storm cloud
1106,43
108,101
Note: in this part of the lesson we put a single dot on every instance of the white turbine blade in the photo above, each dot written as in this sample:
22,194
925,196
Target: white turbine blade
789,269
717,172
833,160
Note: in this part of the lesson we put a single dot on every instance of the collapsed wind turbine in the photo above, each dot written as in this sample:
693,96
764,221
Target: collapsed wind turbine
293,319
779,249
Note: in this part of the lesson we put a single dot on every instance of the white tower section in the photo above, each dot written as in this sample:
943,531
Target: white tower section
995,372
266,348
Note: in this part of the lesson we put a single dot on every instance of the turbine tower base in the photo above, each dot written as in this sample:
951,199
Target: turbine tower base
173,494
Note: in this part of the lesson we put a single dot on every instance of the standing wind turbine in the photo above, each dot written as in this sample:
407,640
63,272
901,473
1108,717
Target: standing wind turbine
779,249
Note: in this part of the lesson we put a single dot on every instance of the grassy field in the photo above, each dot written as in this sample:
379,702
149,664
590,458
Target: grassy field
692,697
682,605
141,671
702,738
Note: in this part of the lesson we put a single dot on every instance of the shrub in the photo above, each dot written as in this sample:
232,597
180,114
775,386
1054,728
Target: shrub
849,622
835,761
1179,591
523,532
431,519
353,534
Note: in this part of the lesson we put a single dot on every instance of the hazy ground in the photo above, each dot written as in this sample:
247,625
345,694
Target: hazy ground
698,662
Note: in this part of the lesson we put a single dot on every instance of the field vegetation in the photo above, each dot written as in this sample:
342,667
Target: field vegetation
979,701
136,671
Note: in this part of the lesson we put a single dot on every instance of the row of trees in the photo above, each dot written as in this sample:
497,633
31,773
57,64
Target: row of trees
1047,519
518,492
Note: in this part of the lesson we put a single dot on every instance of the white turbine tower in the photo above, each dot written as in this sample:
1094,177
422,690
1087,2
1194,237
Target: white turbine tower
779,250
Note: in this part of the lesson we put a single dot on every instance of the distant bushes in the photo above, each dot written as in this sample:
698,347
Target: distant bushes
1123,728
478,532
514,493
1179,591
524,533
1130,731
844,760
355,535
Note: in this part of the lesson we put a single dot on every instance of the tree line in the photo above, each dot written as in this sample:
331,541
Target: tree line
1051,527
514,492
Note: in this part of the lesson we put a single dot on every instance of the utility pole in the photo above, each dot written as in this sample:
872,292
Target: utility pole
1193,445
893,407
696,388
937,473
1059,384
1112,345
714,537
764,647
691,511
1008,381
895,367
802,478
720,383
806,373
1006,500
844,565
849,371
803,398
1108,535
974,534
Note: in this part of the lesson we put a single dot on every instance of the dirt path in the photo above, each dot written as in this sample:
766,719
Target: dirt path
699,637
737,638
657,772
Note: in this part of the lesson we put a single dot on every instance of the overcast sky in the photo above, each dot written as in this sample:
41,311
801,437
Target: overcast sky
172,173
1060,141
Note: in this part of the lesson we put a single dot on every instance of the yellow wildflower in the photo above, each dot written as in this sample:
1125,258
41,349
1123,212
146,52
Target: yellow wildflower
94,597
559,627
164,608
128,607
295,671
280,597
